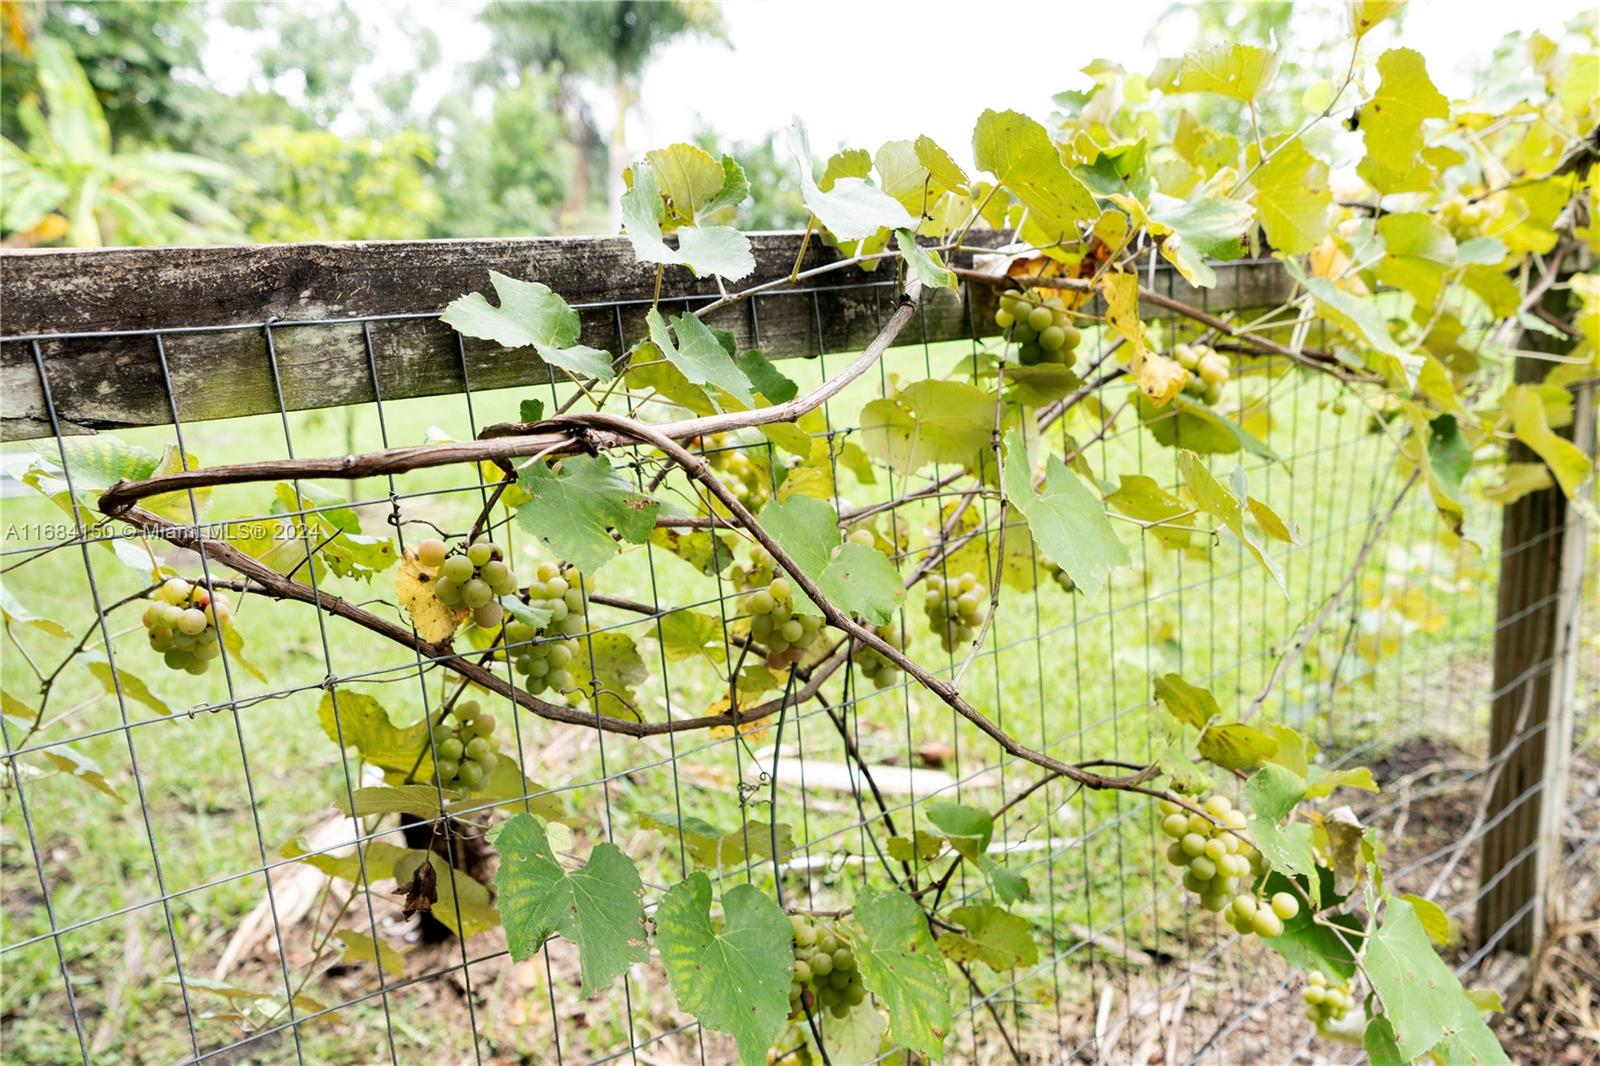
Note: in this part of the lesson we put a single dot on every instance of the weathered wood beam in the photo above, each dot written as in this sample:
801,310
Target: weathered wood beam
96,316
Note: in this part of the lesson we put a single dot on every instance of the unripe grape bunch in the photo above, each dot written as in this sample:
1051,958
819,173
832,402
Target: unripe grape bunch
181,623
955,606
774,622
1040,326
470,578
1324,1001
739,472
1220,867
871,664
1208,371
544,655
825,973
464,747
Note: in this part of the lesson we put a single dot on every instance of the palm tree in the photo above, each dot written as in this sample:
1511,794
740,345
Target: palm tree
71,185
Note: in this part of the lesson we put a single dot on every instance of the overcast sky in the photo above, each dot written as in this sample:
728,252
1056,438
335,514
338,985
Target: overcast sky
864,71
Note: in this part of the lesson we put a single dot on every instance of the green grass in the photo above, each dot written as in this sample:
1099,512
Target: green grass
1068,674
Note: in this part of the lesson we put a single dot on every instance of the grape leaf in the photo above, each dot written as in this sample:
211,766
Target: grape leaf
1160,379
609,662
1195,231
1190,424
1188,703
734,978
693,184
430,617
686,634
1532,425
768,380
573,510
1142,497
597,907
462,902
937,162
968,829
1323,782
853,208
1416,253
1235,746
1067,521
708,553
1391,123
1237,70
710,846
132,686
928,421
359,947
1292,197
15,614
1019,153
1378,1041
1363,319
720,250
902,967
857,579
74,763
363,723
1421,996
699,354
1365,14
995,937
1272,793
924,262
530,314
1215,499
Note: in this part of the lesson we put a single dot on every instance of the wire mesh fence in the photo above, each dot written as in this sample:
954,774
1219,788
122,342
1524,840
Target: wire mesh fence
181,882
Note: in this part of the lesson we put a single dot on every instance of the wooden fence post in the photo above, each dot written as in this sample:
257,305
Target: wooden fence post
1535,651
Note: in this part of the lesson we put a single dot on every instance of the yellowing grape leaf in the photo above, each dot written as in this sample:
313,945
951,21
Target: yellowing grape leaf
1019,153
1391,122
1237,70
1292,198
1365,14
900,965
433,621
990,935
1566,460
1160,379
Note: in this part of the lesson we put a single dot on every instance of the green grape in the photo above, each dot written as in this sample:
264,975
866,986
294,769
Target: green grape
488,616
476,593
431,552
457,568
1053,338
1284,905
1041,319
479,553
450,749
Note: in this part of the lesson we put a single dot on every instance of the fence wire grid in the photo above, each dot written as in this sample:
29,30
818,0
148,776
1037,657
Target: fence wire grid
166,836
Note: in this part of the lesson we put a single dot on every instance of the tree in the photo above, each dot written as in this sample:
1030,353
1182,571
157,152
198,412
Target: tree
317,186
607,43
71,185
509,174
131,51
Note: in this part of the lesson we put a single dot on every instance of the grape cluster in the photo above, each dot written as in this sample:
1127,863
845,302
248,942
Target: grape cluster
464,747
871,664
1326,1002
785,632
1219,866
955,607
1465,218
1041,327
825,974
181,622
542,655
472,578
735,468
1208,371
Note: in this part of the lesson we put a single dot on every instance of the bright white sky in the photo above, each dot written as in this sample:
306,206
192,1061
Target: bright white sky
939,62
